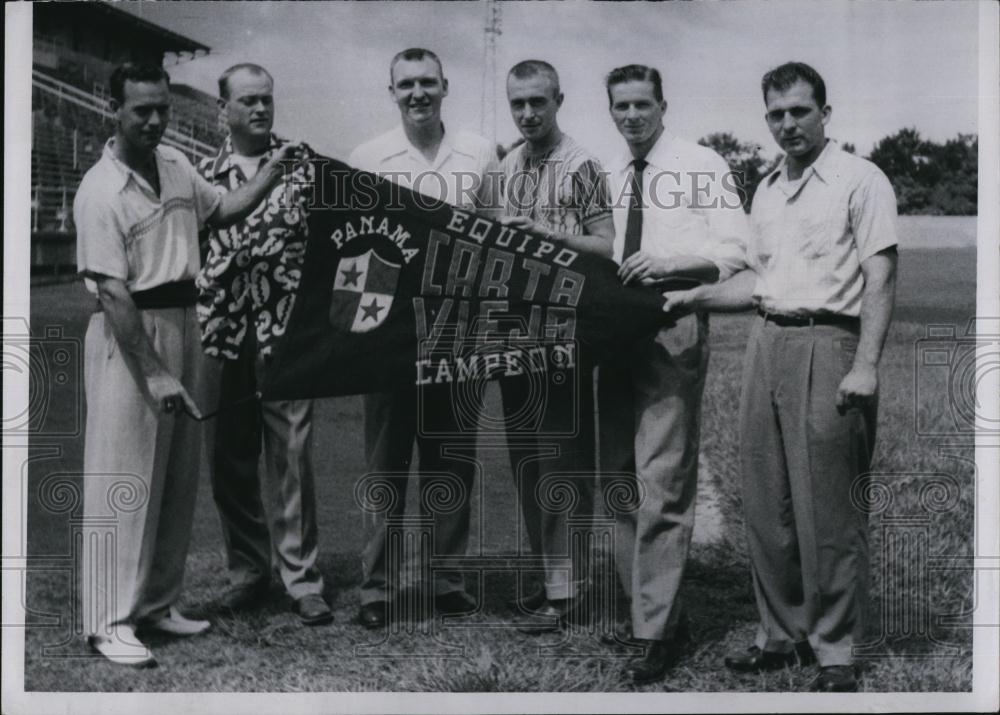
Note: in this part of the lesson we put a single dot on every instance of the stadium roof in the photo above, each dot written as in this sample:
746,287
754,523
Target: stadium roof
177,42
114,19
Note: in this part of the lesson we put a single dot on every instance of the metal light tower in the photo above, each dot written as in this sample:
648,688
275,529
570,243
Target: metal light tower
491,31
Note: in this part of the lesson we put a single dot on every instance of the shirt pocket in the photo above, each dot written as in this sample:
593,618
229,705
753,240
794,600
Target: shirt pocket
820,230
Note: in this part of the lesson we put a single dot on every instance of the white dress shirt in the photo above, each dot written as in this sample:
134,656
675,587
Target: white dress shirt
453,176
691,206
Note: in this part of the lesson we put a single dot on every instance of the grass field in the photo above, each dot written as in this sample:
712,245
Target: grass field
267,650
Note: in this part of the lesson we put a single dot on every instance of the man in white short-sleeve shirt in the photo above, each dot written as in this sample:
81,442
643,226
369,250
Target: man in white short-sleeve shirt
137,213
823,260
445,165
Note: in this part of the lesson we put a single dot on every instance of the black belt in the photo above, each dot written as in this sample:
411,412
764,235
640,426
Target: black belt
801,321
179,294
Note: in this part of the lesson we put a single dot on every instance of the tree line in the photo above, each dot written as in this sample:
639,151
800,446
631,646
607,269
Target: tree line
928,177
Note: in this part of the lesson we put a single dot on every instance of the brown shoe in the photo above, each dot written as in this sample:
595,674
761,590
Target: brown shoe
374,615
312,610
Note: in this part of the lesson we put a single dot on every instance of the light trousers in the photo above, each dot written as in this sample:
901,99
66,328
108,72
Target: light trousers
650,412
281,533
140,474
800,455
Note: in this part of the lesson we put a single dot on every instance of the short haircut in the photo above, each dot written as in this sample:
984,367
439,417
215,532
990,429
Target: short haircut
415,54
533,68
135,72
635,73
783,77
247,66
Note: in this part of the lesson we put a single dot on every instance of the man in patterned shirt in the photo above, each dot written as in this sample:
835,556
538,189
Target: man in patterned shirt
246,292
554,188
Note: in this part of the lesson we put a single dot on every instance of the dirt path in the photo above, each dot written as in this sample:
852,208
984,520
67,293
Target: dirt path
708,515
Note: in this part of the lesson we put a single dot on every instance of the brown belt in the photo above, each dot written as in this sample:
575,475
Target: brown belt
801,321
179,294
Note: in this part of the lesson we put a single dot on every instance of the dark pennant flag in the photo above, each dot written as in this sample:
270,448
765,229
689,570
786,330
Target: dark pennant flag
399,290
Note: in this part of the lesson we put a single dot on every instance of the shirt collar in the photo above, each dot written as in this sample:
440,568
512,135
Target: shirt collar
658,156
125,172
224,160
398,143
822,167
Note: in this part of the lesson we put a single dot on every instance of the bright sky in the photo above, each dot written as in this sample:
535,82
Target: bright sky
887,65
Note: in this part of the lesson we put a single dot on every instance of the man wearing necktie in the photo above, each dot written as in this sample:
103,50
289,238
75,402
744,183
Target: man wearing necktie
674,217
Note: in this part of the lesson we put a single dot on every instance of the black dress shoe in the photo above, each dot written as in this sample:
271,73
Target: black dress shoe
620,635
530,603
755,660
558,613
836,679
660,657
454,603
374,614
244,596
312,610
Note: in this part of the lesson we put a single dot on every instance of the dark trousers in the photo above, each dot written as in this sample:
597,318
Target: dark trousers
549,421
393,421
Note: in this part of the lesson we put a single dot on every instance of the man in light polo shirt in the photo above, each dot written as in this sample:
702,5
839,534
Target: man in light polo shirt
823,260
446,166
674,217
137,213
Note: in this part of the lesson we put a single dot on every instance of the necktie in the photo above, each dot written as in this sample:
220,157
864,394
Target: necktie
633,224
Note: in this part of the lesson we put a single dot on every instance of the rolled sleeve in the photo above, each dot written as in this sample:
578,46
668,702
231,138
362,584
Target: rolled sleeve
873,215
207,197
100,242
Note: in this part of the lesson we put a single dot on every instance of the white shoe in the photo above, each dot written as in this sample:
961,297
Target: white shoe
177,625
123,647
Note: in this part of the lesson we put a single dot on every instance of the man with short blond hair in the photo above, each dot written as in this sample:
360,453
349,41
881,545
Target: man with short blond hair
446,166
554,188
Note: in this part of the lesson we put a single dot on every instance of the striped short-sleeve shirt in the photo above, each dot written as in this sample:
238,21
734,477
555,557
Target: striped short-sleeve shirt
565,189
